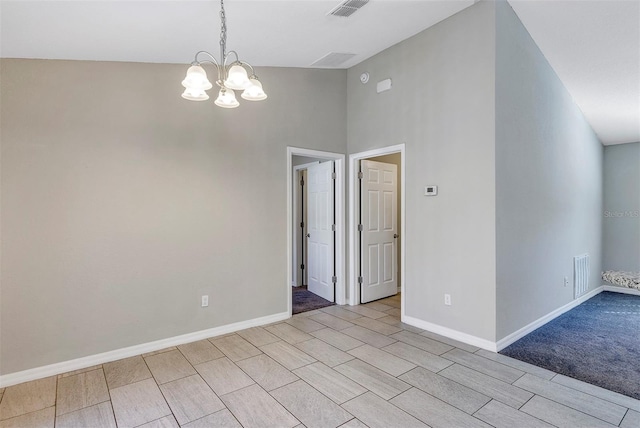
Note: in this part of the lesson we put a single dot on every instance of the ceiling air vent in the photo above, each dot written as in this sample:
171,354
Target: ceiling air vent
333,59
347,8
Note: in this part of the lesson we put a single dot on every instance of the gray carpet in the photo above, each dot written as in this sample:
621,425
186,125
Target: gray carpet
304,300
597,342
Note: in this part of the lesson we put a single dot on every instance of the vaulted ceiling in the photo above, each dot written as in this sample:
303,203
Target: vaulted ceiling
594,46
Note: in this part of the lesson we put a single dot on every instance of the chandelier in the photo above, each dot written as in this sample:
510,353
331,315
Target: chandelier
231,76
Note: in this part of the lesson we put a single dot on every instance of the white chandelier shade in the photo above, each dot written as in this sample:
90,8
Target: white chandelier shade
227,99
237,78
231,76
254,92
195,95
196,83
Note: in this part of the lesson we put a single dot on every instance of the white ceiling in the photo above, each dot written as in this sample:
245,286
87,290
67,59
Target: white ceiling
594,45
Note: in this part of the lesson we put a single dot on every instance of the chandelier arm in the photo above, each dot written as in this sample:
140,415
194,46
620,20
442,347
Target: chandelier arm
253,72
213,58
243,63
214,61
229,54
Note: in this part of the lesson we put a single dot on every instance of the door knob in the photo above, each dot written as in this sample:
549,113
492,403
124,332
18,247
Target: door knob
308,235
395,236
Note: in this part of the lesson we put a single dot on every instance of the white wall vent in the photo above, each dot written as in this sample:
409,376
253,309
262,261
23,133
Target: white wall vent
580,275
333,59
347,8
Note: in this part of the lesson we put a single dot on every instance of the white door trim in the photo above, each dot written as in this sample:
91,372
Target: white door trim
354,290
341,287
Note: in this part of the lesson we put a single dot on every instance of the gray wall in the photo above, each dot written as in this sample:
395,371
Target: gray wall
442,106
548,182
301,160
122,203
621,240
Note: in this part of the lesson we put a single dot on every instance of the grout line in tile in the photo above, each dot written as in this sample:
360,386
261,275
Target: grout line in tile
501,364
518,379
587,393
523,404
483,373
31,412
158,386
113,412
55,401
624,416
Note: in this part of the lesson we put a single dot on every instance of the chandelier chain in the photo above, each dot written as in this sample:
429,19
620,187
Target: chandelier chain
223,32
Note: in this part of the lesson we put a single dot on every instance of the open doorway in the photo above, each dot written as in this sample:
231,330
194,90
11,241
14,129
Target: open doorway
313,234
377,227
315,207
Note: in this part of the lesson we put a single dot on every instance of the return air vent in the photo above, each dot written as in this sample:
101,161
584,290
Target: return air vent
347,8
333,59
580,275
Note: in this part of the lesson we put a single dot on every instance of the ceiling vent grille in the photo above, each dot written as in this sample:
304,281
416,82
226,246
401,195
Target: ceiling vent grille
333,59
347,8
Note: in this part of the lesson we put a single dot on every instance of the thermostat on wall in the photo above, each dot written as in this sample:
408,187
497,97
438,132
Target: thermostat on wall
431,190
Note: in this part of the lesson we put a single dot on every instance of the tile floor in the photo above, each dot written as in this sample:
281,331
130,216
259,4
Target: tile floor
334,367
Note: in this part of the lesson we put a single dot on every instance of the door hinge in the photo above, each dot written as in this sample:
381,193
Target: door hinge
333,227
302,267
334,176
302,224
302,181
334,279
360,175
360,228
359,280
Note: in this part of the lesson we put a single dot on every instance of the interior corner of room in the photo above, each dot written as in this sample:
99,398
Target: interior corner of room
123,205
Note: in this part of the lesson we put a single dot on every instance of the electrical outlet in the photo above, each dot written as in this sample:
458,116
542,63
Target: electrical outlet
566,281
447,299
205,301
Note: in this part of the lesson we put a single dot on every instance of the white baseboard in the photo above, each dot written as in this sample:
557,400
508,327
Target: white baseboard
519,334
450,333
105,357
503,343
623,290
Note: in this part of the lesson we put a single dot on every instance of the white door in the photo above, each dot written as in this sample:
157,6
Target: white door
320,234
379,219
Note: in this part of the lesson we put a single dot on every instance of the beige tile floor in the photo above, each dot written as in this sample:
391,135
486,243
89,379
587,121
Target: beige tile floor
334,367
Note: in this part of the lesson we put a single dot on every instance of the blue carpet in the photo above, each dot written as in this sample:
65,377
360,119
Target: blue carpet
597,342
304,300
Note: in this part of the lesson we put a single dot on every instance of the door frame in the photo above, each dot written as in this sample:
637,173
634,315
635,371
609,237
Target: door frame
296,221
354,159
340,250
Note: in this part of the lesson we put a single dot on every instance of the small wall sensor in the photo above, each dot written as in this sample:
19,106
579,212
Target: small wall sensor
384,85
431,190
364,77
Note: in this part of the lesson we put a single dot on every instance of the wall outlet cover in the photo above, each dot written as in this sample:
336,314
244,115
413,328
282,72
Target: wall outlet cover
447,299
431,190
